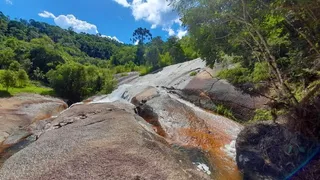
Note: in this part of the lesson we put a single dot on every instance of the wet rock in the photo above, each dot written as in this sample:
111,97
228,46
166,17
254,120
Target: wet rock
147,94
182,123
106,144
271,151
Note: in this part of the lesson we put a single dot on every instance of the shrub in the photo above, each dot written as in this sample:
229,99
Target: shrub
193,73
236,75
144,70
222,110
261,72
8,79
22,78
262,115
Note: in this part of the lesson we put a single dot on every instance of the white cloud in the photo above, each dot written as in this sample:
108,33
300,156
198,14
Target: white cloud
66,21
124,3
136,43
181,33
156,12
46,14
113,38
9,2
170,31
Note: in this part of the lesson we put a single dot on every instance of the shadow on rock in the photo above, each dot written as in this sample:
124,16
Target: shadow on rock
271,151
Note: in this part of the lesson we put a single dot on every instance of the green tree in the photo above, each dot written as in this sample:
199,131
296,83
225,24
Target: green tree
38,74
140,35
153,57
76,82
45,59
280,35
165,59
22,78
69,81
8,79
6,57
15,66
174,48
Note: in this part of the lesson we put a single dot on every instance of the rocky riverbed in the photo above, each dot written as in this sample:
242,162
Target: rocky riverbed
159,126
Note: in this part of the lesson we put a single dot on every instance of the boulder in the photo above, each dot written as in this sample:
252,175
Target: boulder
271,151
147,94
207,92
19,112
186,125
99,141
204,89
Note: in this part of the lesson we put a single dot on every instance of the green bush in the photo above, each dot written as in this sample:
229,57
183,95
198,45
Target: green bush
8,79
22,78
76,82
222,110
193,73
236,75
262,115
165,59
261,72
144,70
124,74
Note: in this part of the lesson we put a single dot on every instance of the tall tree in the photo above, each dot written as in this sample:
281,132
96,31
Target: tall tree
140,35
281,34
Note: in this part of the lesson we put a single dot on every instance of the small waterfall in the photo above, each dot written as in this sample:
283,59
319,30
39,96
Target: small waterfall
119,94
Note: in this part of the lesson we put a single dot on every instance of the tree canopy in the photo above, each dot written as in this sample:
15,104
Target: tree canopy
269,41
42,52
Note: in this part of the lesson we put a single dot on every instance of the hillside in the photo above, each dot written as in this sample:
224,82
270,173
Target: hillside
77,65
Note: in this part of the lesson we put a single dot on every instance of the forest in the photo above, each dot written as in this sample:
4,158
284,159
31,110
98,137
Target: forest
35,55
268,47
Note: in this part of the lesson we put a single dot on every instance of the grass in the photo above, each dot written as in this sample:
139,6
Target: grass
124,74
193,73
222,110
262,115
31,88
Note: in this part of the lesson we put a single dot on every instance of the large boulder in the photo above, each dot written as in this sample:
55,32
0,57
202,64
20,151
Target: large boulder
207,91
184,124
99,141
203,89
19,112
271,151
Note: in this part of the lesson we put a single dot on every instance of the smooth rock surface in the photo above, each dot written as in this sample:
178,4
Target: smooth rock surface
99,141
203,89
18,112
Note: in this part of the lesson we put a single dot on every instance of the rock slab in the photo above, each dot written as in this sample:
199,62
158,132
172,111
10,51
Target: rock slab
99,141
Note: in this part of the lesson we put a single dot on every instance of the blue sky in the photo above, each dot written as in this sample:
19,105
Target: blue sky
111,18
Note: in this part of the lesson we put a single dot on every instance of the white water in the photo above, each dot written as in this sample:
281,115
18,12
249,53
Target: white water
202,167
119,94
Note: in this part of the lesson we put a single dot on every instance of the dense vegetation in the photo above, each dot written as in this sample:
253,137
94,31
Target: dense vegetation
269,47
78,65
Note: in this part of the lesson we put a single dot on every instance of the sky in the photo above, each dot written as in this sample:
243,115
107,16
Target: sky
115,19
